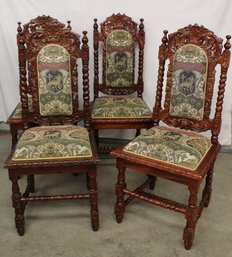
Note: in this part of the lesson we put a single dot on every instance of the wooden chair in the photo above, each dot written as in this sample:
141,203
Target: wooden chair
49,54
118,102
15,122
178,151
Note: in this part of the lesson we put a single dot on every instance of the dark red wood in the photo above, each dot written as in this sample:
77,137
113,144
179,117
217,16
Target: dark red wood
115,22
31,39
212,45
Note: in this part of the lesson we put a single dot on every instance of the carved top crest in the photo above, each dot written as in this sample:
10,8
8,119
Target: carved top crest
48,28
118,21
44,23
198,35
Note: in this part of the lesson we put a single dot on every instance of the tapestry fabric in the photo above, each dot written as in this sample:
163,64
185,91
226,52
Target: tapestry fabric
17,115
53,142
188,82
119,59
55,92
173,146
114,107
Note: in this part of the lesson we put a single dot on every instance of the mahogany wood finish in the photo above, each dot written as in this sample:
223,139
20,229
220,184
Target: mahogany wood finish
32,38
118,22
15,126
212,45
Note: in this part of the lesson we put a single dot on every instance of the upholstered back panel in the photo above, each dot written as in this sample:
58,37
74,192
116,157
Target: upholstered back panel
189,76
119,59
54,81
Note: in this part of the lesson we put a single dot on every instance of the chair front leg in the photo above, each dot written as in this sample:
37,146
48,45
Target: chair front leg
207,191
14,135
138,132
191,216
96,136
17,204
31,183
120,205
152,181
93,198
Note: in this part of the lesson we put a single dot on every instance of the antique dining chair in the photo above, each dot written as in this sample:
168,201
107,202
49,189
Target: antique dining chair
15,119
49,55
176,150
15,122
118,85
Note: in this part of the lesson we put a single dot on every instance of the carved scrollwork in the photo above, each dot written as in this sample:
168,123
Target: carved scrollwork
212,46
34,36
197,35
118,21
112,23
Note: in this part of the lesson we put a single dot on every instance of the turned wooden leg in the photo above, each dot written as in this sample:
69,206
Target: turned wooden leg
31,183
138,132
96,136
152,181
14,135
87,180
120,205
17,204
191,216
207,189
93,198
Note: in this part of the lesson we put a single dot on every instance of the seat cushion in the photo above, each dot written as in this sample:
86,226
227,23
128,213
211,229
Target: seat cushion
17,113
53,142
114,107
172,146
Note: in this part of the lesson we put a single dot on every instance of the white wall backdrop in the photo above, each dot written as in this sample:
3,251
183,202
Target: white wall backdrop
158,15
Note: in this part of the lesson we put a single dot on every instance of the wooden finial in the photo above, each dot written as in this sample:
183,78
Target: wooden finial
19,29
141,25
227,44
164,38
69,26
95,25
85,39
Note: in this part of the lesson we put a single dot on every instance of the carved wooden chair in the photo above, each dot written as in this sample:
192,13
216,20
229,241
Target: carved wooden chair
118,102
15,122
178,151
49,54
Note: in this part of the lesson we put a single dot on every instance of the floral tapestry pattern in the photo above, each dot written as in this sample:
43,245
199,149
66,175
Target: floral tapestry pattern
188,82
53,142
119,59
55,93
173,146
120,107
18,110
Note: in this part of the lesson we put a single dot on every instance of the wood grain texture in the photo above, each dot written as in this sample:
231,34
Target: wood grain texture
36,34
217,56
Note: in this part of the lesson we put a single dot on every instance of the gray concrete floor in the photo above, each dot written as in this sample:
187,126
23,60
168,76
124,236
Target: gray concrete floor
62,228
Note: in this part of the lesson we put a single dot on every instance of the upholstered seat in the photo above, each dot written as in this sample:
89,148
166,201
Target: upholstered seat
16,122
17,113
120,107
173,146
118,84
56,136
177,149
53,142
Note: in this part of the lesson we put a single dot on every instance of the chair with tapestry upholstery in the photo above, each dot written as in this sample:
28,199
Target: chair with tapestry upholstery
118,102
15,122
49,55
178,151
